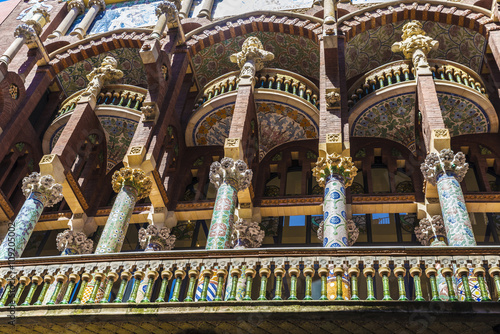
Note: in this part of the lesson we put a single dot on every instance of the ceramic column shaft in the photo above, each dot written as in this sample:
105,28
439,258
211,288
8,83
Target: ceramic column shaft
334,207
219,236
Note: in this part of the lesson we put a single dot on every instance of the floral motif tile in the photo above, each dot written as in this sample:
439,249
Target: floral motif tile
372,48
392,119
74,78
292,53
278,123
462,116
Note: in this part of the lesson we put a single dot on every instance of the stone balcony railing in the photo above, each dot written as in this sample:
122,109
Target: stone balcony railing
125,96
375,273
268,78
402,71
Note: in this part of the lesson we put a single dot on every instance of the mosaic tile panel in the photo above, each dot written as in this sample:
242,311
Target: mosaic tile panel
461,115
222,8
119,134
292,53
335,227
74,78
392,119
372,48
331,286
219,236
278,123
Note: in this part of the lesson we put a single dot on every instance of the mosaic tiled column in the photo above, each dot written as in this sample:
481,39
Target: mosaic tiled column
69,242
131,185
335,173
431,231
229,177
447,170
40,192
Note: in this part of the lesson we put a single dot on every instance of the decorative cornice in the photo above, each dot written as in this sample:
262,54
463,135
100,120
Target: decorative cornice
135,178
482,197
335,164
316,200
195,206
363,199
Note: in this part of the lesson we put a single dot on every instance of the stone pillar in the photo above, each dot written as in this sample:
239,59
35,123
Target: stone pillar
246,234
431,231
40,191
70,242
186,7
131,185
75,8
206,9
154,239
329,11
335,173
95,7
229,177
447,170
167,11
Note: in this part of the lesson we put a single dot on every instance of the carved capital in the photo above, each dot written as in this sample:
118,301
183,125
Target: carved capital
335,164
333,98
43,13
78,4
445,161
246,234
154,239
232,172
169,8
45,185
431,231
100,3
71,243
27,32
135,178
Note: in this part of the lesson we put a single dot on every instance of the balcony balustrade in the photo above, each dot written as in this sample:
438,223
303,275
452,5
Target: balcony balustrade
418,272
403,71
125,96
268,78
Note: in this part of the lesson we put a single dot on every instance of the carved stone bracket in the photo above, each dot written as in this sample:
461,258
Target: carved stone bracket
445,161
430,231
233,172
335,164
150,111
246,234
43,184
135,178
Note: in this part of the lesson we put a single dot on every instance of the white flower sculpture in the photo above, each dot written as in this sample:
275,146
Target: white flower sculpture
249,231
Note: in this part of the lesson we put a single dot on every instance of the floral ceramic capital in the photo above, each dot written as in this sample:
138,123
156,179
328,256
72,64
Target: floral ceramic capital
46,185
169,8
153,238
135,178
251,58
416,46
442,162
232,172
72,243
105,73
352,231
430,231
335,164
246,234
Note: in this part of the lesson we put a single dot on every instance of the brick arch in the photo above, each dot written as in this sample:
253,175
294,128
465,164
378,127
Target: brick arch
467,16
87,48
294,24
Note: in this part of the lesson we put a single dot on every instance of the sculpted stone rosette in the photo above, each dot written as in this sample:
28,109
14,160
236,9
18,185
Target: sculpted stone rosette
429,231
70,242
335,164
45,185
246,234
352,231
233,172
135,178
445,161
154,239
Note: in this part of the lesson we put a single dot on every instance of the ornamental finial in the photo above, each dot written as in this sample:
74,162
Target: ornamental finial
46,185
416,46
335,164
442,162
234,172
135,178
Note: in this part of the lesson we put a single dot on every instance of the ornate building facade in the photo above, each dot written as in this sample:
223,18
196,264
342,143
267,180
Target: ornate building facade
259,166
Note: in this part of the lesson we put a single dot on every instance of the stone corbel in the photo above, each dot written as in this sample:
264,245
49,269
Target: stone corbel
80,222
150,112
333,144
233,148
440,139
332,97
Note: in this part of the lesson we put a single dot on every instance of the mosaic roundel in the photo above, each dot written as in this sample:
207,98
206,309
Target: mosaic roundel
119,134
293,53
392,119
462,116
372,48
279,123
